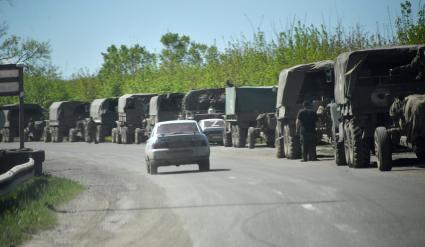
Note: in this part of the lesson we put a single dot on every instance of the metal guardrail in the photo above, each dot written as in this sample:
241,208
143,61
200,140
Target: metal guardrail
16,175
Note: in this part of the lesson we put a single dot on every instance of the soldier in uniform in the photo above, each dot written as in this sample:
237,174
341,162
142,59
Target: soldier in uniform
29,130
92,128
306,128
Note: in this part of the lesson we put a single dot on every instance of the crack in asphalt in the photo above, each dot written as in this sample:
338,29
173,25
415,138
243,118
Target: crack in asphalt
193,206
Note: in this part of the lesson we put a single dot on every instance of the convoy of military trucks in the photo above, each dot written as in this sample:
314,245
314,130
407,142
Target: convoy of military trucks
367,101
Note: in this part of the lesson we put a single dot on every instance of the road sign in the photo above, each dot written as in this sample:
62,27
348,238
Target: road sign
12,84
11,81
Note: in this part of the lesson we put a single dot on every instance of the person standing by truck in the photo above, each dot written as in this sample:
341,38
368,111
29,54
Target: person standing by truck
306,128
92,128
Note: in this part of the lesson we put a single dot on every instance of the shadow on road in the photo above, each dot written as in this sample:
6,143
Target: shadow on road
193,171
408,162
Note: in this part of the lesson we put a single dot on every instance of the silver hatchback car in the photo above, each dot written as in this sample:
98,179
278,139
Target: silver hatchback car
177,143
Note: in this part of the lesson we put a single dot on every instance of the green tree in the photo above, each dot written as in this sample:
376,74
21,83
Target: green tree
411,27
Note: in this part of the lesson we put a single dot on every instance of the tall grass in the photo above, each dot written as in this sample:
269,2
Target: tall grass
25,211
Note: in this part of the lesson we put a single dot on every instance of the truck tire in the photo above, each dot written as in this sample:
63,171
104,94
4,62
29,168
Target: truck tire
100,136
124,135
292,144
239,136
270,140
347,145
383,149
204,165
72,136
279,142
251,137
47,137
54,134
59,137
340,154
227,138
7,135
360,147
139,136
114,135
119,136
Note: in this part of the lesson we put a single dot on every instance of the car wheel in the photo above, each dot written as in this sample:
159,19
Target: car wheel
148,167
153,168
204,165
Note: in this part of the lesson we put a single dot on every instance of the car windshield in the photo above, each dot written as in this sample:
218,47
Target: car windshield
213,123
177,128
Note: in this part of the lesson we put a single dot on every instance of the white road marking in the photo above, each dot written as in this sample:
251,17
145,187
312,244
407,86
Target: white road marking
308,206
278,192
346,228
231,177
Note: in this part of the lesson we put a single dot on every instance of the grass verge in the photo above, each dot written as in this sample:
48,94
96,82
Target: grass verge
24,211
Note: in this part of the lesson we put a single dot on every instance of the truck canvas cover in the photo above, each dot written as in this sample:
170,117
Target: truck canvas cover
96,108
369,65
250,100
200,100
165,102
11,113
65,111
292,81
124,100
104,110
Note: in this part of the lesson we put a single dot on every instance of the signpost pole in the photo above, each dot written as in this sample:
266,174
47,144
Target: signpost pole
21,108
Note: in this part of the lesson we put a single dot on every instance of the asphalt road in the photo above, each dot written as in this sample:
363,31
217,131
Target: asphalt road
249,198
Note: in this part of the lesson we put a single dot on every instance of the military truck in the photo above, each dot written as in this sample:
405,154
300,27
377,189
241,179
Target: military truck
163,107
132,110
33,115
367,83
104,113
63,115
203,104
243,106
306,82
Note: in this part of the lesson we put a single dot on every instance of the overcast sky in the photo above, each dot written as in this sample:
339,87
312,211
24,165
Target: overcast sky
79,30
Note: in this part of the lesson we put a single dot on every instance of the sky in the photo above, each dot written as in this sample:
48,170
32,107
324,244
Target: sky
78,31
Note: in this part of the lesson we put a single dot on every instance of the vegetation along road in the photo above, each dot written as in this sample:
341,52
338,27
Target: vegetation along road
249,198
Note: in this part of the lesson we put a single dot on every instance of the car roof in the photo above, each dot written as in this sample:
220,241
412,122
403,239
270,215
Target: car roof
176,121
